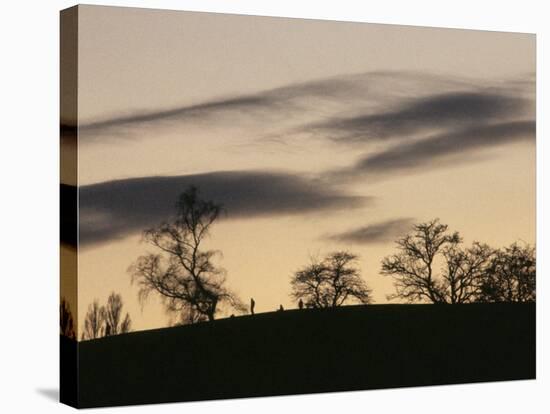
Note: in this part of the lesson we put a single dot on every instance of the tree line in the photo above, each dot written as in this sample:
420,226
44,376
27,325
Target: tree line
106,320
100,320
431,265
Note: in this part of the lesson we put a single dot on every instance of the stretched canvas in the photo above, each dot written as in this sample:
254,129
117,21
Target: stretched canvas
257,206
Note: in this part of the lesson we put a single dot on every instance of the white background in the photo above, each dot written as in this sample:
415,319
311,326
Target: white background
29,205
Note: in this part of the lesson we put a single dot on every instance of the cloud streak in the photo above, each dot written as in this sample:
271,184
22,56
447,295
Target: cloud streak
379,97
115,209
282,101
383,232
435,112
428,153
415,121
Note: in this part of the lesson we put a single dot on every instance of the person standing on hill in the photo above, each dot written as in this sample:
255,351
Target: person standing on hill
252,305
301,304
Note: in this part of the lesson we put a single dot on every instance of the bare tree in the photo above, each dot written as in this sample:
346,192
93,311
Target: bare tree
464,268
66,320
106,320
112,314
414,268
510,276
182,273
331,282
309,284
93,321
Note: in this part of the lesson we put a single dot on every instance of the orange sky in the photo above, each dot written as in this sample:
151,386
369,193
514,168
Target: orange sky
329,100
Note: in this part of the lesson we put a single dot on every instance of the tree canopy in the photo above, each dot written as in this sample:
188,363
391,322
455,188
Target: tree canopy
66,320
106,320
433,265
183,273
330,282
510,275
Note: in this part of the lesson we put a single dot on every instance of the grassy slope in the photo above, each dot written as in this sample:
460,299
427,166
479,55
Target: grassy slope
350,348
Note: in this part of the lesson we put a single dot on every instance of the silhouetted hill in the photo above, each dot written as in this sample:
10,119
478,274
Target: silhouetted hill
349,348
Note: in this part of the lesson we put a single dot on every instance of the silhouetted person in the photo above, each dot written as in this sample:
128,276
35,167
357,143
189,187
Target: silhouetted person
281,308
252,305
301,304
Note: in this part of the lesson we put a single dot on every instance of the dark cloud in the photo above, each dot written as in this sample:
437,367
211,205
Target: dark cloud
244,103
68,214
338,94
441,111
383,232
282,101
118,208
67,131
453,146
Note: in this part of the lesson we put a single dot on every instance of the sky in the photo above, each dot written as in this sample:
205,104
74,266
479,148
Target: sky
316,136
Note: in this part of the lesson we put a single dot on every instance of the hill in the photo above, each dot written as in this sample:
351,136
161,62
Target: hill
308,351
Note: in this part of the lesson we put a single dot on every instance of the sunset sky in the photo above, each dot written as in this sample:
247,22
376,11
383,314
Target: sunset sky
314,135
